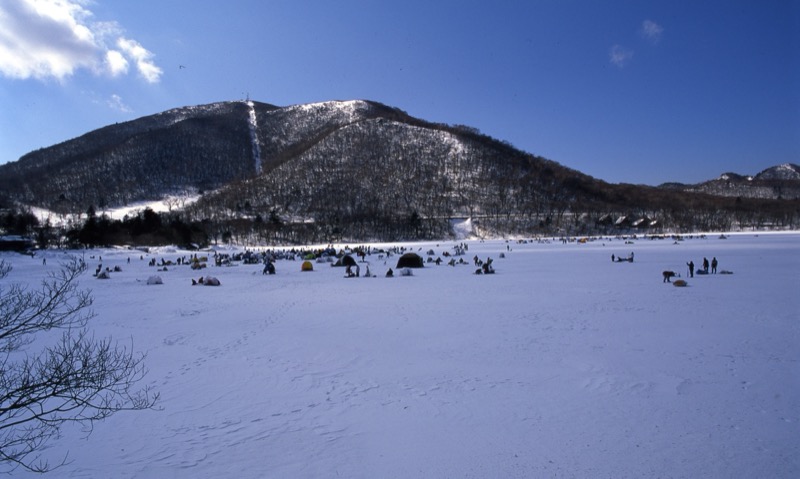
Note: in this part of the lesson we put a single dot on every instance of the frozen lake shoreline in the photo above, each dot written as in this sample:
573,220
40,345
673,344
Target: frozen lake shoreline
562,364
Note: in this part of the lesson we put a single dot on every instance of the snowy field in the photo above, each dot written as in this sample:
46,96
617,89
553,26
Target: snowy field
562,364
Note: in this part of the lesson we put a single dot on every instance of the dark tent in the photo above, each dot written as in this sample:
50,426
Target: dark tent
410,260
345,260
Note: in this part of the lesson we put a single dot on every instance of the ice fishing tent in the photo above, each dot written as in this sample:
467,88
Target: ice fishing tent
307,266
410,260
345,260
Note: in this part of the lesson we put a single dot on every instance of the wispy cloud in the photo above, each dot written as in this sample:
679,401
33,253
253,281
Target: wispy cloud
620,56
652,31
143,58
52,39
116,103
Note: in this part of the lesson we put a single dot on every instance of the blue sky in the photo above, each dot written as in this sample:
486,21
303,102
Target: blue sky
626,91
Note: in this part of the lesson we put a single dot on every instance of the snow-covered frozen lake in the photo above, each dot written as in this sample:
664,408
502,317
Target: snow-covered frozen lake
562,364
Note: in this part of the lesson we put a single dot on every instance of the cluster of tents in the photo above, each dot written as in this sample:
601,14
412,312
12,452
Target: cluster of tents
407,260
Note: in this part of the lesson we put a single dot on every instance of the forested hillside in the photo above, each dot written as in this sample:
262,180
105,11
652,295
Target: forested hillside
350,170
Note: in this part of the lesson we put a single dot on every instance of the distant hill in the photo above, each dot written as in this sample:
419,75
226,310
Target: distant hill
777,182
356,169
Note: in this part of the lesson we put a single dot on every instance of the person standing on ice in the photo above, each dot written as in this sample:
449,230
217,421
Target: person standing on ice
714,265
690,264
705,265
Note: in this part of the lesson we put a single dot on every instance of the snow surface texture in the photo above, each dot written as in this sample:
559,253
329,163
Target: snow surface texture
562,364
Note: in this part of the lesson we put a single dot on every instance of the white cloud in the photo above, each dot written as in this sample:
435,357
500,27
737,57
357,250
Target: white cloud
52,39
652,31
116,103
116,63
143,58
620,56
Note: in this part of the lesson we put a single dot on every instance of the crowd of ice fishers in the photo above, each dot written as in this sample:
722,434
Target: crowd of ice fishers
344,257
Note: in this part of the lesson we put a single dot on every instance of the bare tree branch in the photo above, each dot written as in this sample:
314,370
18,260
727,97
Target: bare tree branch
79,379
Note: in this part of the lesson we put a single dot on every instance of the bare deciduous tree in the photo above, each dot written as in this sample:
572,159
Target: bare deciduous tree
47,381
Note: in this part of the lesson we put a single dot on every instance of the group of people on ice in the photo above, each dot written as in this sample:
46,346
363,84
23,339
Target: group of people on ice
706,264
713,265
621,259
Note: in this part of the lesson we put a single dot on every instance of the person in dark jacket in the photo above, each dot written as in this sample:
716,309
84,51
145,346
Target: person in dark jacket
690,264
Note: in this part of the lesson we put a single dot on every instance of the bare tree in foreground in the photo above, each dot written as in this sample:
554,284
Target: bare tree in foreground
71,379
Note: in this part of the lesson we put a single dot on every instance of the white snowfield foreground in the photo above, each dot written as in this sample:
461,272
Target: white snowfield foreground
561,364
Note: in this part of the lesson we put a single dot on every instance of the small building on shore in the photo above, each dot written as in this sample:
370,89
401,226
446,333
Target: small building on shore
15,243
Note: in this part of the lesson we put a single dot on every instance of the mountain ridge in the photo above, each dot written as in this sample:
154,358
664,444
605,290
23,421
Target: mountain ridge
776,182
355,168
